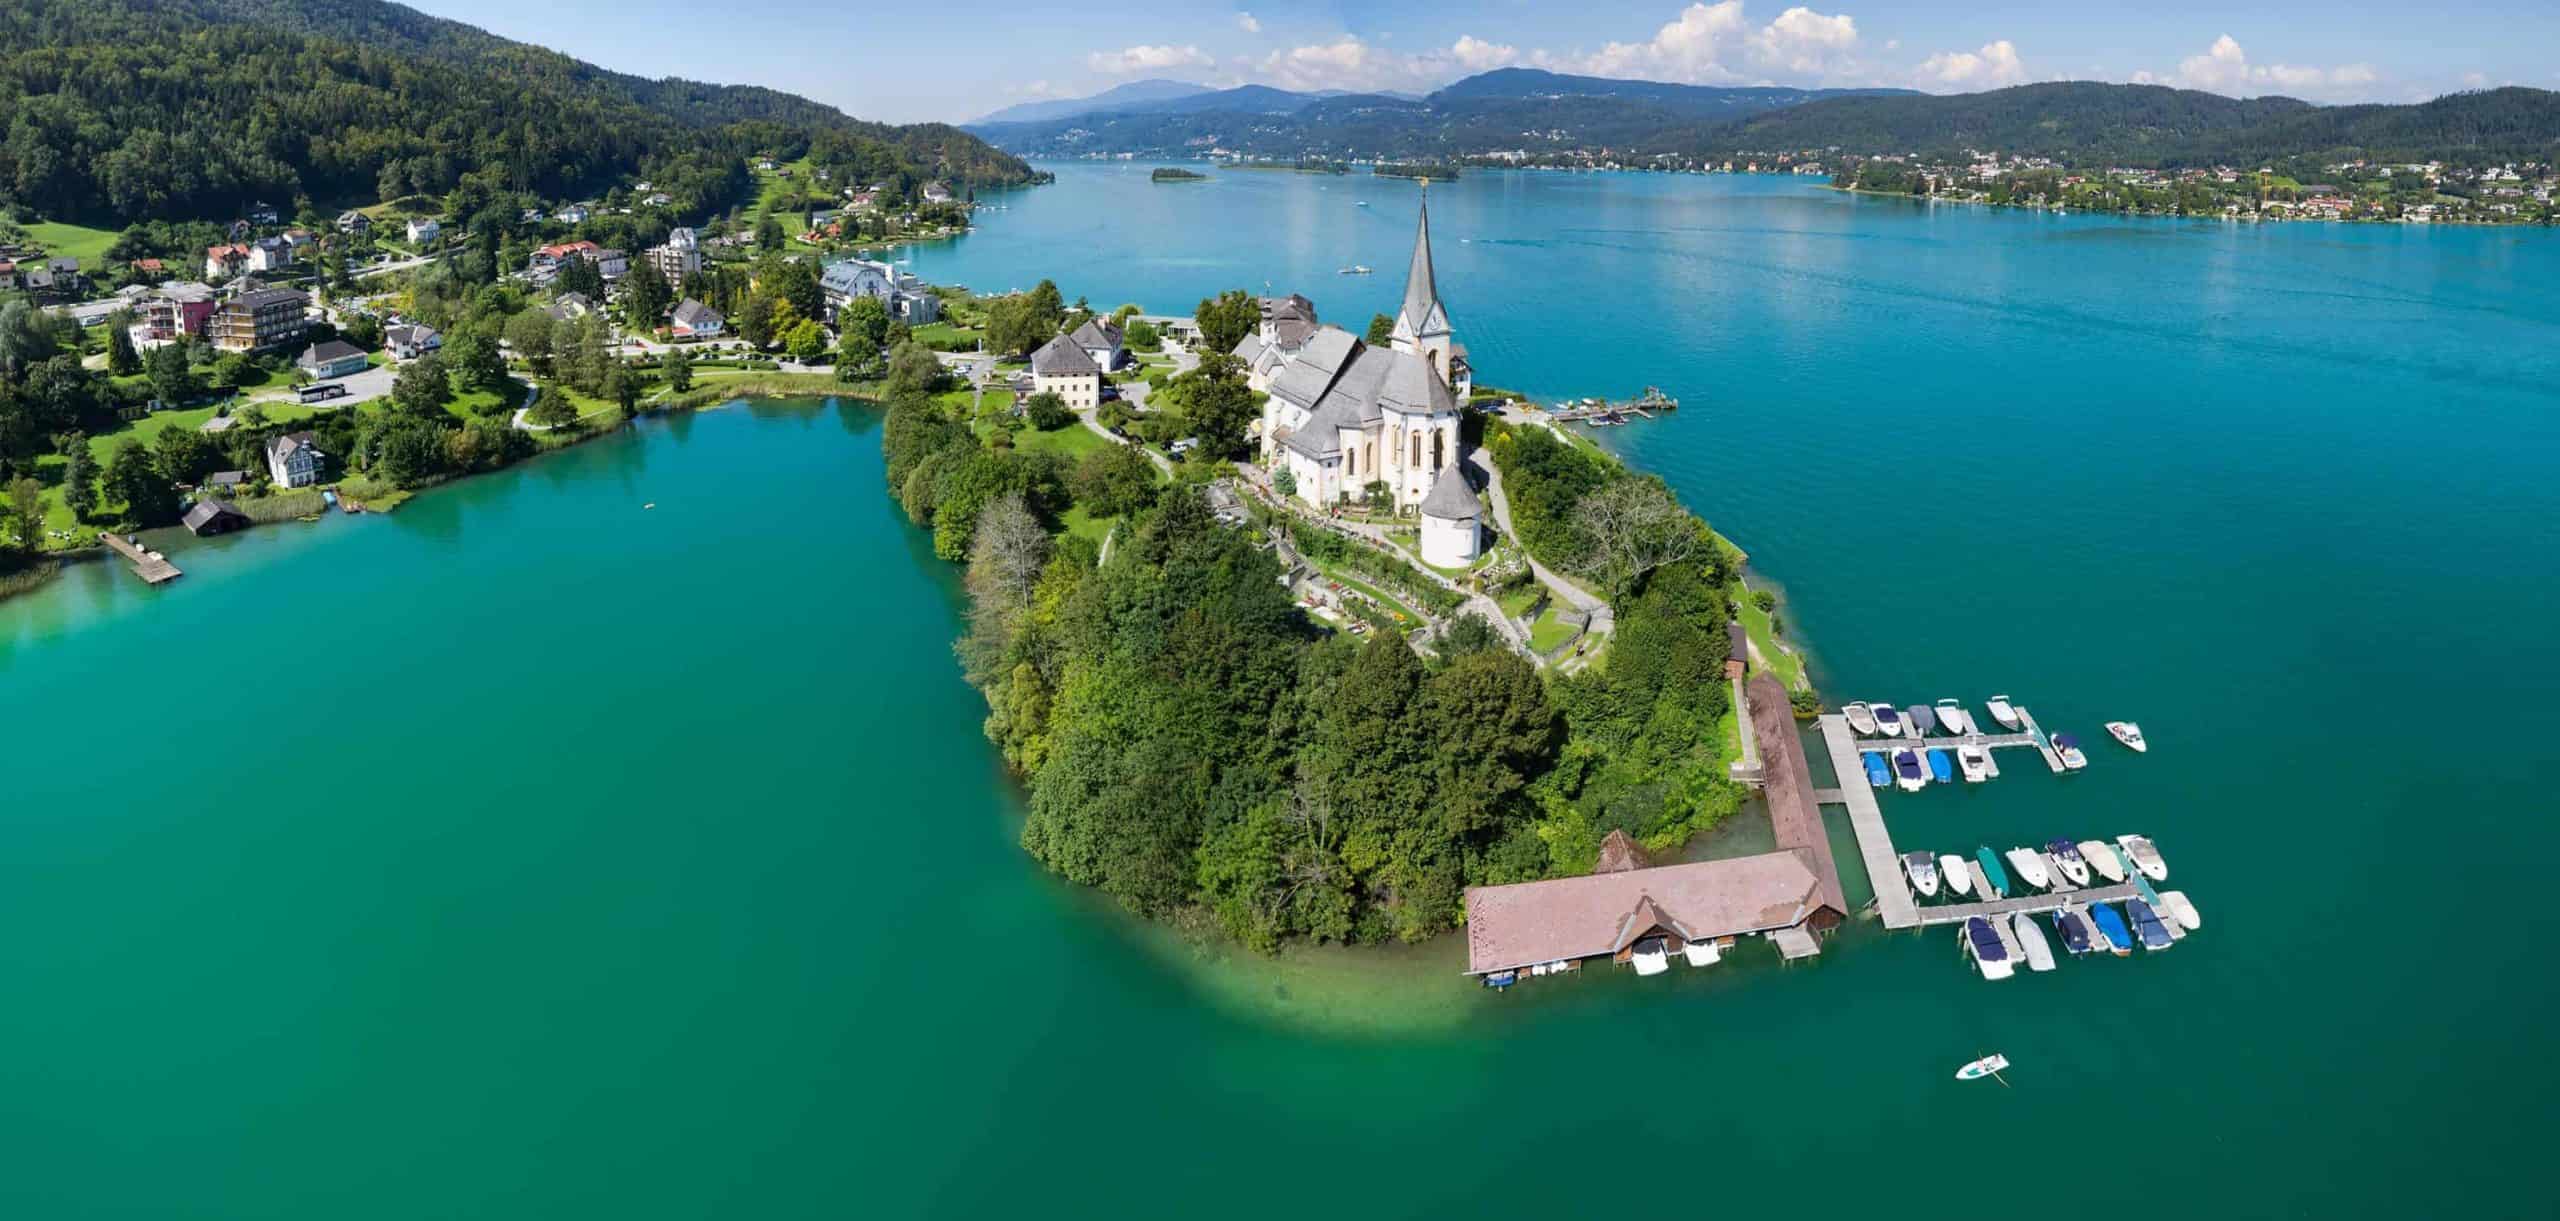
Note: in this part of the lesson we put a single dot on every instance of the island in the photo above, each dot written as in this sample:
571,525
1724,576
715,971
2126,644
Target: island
1174,174
1408,169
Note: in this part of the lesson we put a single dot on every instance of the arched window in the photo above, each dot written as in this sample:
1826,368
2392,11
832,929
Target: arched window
1439,452
1417,450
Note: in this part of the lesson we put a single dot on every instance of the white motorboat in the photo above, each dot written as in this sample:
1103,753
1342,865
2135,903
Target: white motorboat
2101,858
1702,953
1988,1066
2003,712
2031,939
1923,872
2145,857
1987,948
1976,763
1959,882
2028,865
1888,719
1909,774
2066,861
1861,718
2068,748
1956,720
2174,902
1652,957
2130,734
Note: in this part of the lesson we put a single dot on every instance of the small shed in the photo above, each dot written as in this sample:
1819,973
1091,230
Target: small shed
1737,649
215,517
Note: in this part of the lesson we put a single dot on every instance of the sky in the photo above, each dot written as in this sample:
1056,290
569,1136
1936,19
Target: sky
921,62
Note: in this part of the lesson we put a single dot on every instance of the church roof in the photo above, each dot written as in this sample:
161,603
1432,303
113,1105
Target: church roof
1304,380
1451,499
1422,313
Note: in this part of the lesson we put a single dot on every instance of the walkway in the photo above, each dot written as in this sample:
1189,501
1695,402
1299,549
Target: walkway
153,567
1252,477
1875,845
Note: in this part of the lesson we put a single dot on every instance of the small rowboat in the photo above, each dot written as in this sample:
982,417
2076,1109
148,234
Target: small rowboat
1988,1066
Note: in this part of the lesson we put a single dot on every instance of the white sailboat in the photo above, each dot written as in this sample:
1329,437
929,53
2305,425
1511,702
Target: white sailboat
2003,712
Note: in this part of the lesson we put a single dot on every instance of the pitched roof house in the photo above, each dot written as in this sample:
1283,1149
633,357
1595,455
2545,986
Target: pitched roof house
293,460
1062,368
694,320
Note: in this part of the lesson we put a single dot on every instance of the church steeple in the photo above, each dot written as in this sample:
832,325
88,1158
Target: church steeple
1422,326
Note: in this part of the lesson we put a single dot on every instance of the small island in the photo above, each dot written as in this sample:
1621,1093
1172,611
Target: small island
1407,169
1174,174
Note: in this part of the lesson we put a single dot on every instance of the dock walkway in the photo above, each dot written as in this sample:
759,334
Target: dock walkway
1875,845
153,567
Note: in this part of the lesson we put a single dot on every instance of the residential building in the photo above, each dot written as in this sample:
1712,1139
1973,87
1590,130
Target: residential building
270,254
336,358
657,199
8,273
680,257
1102,342
424,229
935,192
262,213
612,264
909,300
293,460
550,257
355,224
694,320
1061,368
258,320
411,340
225,261
570,305
574,214
176,310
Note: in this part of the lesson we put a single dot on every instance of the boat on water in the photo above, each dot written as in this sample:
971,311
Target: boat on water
1652,956
2102,858
2067,862
1888,721
1922,869
1942,768
1988,1066
1356,269
2173,903
1975,762
1923,721
2147,926
2130,734
2111,928
1878,774
1959,879
1993,875
1952,715
2005,713
1907,772
2031,939
2069,748
1702,953
2144,857
1861,718
2074,929
2029,865
1982,945
1500,980
1982,883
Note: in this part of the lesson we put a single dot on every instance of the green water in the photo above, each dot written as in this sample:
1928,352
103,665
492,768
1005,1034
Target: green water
527,853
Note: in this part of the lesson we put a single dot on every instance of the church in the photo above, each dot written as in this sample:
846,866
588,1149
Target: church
1340,415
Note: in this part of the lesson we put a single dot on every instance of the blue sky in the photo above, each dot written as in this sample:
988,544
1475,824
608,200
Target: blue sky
908,62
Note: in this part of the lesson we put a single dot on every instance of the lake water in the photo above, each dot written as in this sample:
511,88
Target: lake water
529,853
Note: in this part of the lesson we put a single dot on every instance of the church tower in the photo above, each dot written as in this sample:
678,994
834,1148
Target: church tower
1422,326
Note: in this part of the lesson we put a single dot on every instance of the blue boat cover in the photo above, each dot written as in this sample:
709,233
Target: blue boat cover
2064,741
2153,932
2063,848
2075,935
1907,763
1887,716
1986,944
2112,925
1940,765
1877,773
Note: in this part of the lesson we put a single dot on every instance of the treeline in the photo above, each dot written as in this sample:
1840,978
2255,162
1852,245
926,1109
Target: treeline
184,109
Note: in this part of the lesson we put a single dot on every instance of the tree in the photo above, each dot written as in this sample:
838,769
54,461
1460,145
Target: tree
79,475
552,410
1143,336
135,480
421,389
1285,481
1629,528
1216,404
1047,412
234,369
172,381
472,355
864,327
26,509
645,296
529,333
185,455
1226,319
1114,481
122,360
769,234
755,322
914,369
1382,331
622,385
679,368
806,342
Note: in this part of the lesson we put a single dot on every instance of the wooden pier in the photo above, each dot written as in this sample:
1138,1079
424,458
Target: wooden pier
1644,405
153,567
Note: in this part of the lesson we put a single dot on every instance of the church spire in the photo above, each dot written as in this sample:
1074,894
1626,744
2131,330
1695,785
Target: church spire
1422,314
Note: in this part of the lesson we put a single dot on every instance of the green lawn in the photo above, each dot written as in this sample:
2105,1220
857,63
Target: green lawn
78,241
1755,623
1517,602
1077,522
1071,442
103,446
1550,630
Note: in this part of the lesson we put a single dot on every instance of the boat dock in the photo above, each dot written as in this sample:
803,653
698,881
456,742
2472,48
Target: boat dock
153,567
1646,404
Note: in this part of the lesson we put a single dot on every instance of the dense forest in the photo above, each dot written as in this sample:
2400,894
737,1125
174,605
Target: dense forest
124,110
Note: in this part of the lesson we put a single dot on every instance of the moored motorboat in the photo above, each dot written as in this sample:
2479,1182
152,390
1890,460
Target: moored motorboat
2028,865
1959,879
1988,1066
1982,888
2111,928
2130,734
1907,771
2147,926
2005,713
2102,858
2069,748
2074,929
2175,904
1922,869
1888,721
1860,717
1701,953
2145,857
1993,875
1878,774
1942,768
1922,721
1976,763
1982,944
1953,716
1652,956
2031,939
2066,859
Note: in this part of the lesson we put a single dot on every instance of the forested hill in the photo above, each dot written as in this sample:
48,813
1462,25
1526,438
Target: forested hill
121,110
2087,121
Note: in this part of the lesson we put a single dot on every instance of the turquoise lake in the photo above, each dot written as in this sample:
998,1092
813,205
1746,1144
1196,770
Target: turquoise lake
529,853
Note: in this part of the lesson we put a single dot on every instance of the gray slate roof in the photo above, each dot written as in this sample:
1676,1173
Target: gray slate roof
1061,357
207,510
1422,314
696,315
1451,499
328,353
1097,333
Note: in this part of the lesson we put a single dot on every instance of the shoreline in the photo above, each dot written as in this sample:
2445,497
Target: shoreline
2246,218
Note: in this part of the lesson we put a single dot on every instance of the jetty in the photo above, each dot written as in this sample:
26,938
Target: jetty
153,567
1645,405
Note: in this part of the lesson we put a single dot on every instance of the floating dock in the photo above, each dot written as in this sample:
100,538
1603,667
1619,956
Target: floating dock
153,567
1645,405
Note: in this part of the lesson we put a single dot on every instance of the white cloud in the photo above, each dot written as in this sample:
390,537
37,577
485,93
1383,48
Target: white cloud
2224,67
1802,40
1714,44
1129,60
1476,55
1995,65
1348,63
1246,23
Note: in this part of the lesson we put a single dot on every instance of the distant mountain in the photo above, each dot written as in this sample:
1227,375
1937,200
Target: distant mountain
1505,109
1118,97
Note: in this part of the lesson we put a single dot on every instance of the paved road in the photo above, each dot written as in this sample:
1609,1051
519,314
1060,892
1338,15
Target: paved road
1567,590
362,387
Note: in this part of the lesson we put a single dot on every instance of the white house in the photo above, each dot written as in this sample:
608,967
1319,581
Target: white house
410,341
270,254
424,229
336,358
1102,343
1061,368
694,320
574,214
293,460
908,298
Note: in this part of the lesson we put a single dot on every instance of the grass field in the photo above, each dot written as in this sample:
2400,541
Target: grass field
78,241
1549,631
1071,442
1788,665
103,446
